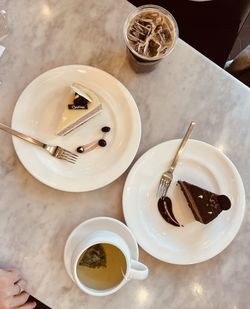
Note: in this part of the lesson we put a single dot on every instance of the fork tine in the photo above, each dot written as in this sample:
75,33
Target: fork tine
70,153
61,153
67,159
69,156
163,188
165,191
159,188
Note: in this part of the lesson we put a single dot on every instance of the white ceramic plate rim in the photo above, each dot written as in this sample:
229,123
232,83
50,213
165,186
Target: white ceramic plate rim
142,239
115,170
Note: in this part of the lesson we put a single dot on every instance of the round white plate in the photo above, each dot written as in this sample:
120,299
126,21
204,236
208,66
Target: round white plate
38,111
94,225
202,165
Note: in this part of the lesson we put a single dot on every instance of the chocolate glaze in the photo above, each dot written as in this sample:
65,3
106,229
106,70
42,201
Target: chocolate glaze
205,205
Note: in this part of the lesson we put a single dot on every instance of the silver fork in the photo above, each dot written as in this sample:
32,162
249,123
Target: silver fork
167,176
56,151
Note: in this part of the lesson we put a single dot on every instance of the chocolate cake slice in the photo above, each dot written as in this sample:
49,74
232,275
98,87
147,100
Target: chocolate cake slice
205,205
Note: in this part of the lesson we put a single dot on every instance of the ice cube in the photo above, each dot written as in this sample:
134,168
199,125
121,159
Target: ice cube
153,48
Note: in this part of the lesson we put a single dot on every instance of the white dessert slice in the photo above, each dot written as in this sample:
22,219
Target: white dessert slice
73,118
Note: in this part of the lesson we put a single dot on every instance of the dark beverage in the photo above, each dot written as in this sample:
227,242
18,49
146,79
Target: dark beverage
150,33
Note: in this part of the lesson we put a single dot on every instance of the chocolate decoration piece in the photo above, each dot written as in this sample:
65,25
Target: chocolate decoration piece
80,149
79,103
165,209
106,129
102,143
205,205
224,202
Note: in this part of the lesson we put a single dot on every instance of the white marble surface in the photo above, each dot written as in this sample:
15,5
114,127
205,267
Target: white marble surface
36,220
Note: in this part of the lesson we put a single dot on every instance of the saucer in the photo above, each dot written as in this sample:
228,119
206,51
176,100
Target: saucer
98,224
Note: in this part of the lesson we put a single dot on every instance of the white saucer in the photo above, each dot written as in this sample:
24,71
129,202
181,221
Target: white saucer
37,114
98,224
202,165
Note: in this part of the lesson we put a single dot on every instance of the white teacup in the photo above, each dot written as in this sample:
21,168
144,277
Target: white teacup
120,267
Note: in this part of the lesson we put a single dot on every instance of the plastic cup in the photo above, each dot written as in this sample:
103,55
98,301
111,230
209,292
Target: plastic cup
142,62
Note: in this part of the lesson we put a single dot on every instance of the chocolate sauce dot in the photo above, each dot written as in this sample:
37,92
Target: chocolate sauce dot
106,129
80,149
102,143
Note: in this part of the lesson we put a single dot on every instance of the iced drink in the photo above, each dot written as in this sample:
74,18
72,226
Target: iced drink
150,33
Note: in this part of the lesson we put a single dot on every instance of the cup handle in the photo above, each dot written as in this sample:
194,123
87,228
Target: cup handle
137,271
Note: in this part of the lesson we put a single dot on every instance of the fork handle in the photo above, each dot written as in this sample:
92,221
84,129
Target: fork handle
21,135
182,145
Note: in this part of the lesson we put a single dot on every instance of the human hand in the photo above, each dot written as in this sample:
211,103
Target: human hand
12,290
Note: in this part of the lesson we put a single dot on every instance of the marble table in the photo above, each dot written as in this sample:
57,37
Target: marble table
36,220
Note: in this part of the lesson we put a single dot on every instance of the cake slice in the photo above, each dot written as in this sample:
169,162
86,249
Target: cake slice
205,205
83,105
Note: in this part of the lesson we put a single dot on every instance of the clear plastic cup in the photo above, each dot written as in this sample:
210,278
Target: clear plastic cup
143,37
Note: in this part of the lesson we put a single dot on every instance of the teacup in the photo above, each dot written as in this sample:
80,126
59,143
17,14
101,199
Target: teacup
101,264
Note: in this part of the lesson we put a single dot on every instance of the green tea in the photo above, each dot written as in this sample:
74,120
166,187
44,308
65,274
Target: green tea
108,273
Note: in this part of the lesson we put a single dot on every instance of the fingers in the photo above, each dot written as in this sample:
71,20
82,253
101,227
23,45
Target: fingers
13,274
18,300
18,287
12,289
29,305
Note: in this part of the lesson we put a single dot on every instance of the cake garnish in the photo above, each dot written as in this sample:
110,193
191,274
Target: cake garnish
100,142
82,91
79,102
106,129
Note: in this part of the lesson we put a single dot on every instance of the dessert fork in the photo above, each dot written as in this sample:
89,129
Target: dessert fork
167,176
55,151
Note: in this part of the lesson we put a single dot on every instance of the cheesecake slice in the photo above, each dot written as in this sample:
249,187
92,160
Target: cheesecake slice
205,205
83,105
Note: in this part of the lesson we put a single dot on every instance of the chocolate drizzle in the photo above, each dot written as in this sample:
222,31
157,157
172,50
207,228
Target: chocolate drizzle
166,211
101,142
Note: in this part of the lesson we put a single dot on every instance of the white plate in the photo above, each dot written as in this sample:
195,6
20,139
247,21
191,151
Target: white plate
37,113
98,224
200,164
